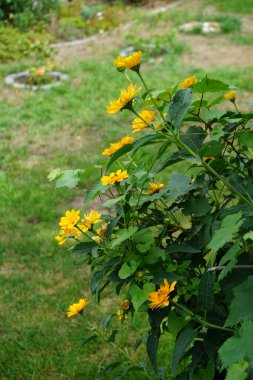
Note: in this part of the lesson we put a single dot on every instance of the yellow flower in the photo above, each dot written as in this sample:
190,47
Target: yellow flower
114,177
230,96
101,232
122,315
145,116
77,308
93,217
70,219
67,232
131,62
116,146
125,305
154,188
126,97
188,82
160,298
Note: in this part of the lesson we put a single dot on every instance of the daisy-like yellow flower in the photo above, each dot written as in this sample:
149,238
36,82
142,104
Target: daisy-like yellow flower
138,123
131,62
64,233
70,219
114,177
77,308
188,82
116,146
125,99
154,188
160,298
230,96
93,217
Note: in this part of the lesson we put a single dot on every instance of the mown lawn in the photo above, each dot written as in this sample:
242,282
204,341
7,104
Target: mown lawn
67,127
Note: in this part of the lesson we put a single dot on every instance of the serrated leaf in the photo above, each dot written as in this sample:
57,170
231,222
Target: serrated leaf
179,185
84,248
211,149
230,259
123,235
194,138
237,371
206,292
138,295
241,308
229,226
128,269
183,342
209,85
55,173
197,207
68,178
245,138
179,107
237,347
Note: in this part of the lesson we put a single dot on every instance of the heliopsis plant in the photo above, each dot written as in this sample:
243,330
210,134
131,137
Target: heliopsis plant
173,234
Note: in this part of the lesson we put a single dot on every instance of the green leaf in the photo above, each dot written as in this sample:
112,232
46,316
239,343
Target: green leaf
209,85
194,138
216,133
125,149
144,240
248,235
197,207
145,140
237,371
179,185
183,341
211,149
68,178
154,255
245,138
176,248
128,269
241,308
229,226
179,107
230,259
110,202
237,347
84,248
138,295
123,235
55,173
206,292
176,323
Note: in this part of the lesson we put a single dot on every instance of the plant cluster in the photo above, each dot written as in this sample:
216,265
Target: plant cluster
157,44
40,75
178,244
26,13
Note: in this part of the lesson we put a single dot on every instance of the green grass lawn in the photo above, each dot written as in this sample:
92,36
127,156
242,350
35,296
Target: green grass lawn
65,127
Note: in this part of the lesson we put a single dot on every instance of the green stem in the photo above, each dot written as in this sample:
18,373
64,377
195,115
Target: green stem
201,320
152,98
213,171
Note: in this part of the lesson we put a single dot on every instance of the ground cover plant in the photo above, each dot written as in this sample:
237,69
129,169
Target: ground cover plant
41,131
156,238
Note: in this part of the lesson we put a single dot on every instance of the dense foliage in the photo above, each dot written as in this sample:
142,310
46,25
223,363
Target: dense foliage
178,242
26,12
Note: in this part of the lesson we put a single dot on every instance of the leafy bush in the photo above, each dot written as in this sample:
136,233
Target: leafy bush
157,44
178,243
15,45
26,12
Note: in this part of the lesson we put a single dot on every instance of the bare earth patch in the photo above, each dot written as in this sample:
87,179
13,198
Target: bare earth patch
211,52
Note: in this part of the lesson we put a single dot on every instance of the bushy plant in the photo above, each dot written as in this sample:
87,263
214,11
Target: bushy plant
26,12
179,243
